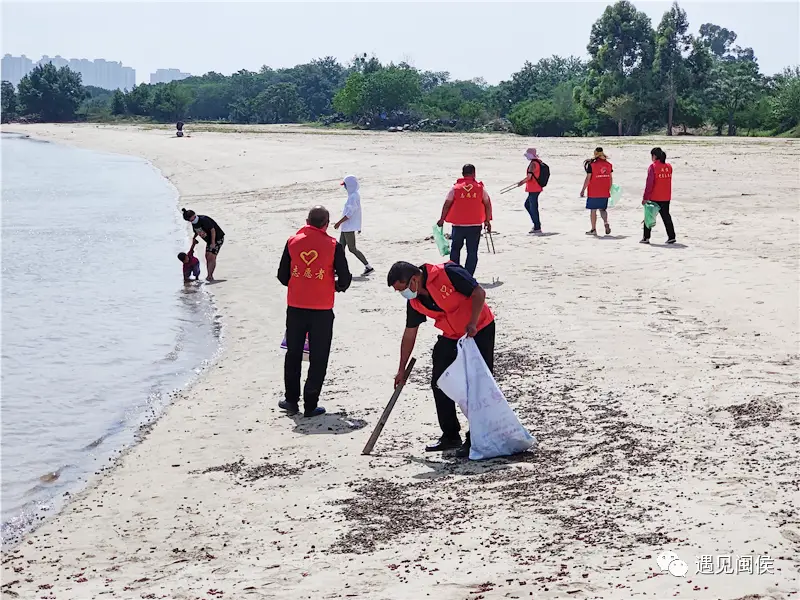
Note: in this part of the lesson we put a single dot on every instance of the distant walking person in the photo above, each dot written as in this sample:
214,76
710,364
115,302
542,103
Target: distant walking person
659,190
350,222
468,207
207,228
314,268
598,181
533,185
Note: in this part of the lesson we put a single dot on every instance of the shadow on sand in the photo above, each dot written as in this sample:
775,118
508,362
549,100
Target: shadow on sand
327,424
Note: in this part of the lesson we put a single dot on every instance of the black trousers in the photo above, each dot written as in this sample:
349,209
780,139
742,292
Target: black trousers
471,235
318,324
445,352
666,217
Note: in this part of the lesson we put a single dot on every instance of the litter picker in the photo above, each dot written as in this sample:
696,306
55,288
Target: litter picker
489,237
509,188
388,410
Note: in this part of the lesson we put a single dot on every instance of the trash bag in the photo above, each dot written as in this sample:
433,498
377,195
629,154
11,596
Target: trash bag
616,195
441,241
305,347
650,213
494,428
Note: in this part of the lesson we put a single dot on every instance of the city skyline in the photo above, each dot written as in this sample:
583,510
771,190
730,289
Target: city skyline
102,73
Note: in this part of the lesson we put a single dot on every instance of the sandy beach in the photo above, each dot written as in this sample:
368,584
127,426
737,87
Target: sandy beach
661,382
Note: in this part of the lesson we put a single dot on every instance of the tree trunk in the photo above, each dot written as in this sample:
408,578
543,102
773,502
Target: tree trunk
731,123
670,113
619,128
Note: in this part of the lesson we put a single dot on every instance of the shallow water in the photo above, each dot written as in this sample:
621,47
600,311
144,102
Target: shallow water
97,326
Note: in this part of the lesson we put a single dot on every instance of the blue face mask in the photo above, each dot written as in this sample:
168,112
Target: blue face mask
408,294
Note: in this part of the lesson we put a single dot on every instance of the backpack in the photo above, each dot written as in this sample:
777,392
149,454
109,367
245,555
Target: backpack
544,174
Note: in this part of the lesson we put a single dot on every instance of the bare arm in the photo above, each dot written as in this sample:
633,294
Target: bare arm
448,202
340,221
406,348
478,300
585,183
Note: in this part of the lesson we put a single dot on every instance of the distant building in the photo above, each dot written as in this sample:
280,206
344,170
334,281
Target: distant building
14,68
167,75
100,73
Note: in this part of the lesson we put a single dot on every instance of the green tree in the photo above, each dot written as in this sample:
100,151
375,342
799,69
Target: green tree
349,99
471,111
735,85
786,102
52,94
621,109
118,103
8,96
170,102
621,47
669,65
390,89
538,118
717,39
537,81
139,100
279,103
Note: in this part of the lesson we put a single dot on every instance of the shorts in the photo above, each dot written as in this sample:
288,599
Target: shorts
597,203
215,248
196,270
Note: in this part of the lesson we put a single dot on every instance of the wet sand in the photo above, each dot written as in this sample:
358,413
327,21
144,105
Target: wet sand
661,382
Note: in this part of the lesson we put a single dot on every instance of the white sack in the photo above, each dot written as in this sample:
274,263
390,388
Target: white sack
494,428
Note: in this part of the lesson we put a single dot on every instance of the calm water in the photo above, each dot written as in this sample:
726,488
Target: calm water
97,326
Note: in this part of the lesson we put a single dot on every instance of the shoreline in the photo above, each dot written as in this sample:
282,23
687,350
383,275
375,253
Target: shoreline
136,431
226,494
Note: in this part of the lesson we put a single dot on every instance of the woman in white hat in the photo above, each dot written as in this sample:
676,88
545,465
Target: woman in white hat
533,188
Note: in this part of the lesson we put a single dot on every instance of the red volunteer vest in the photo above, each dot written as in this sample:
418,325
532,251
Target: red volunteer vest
662,183
456,307
312,283
600,183
531,185
467,207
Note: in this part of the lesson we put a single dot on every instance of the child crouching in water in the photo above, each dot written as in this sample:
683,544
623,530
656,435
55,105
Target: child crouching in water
191,264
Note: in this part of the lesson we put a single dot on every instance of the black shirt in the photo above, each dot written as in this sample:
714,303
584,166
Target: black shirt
340,268
462,281
204,226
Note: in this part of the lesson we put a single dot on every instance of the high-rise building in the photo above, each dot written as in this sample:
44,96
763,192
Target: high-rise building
100,73
14,68
167,75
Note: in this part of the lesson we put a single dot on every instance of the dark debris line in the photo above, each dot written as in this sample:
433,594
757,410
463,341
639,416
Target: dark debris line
566,481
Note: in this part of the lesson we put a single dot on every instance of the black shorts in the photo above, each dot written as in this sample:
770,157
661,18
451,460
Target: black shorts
215,248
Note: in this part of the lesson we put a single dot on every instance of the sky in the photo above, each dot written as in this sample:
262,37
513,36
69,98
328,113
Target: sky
468,39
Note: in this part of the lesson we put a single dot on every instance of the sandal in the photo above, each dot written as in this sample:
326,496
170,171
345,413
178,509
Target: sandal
608,229
592,232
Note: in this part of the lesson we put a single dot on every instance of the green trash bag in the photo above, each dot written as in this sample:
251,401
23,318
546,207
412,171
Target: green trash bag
616,195
441,241
650,213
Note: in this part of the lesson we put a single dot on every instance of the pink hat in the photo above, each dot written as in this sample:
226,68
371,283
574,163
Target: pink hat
531,154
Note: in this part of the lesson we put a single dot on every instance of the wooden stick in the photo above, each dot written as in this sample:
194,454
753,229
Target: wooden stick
509,188
388,410
491,238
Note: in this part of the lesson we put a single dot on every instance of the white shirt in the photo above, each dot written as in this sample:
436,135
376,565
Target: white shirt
352,208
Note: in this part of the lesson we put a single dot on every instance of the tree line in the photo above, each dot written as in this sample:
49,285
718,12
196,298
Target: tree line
637,79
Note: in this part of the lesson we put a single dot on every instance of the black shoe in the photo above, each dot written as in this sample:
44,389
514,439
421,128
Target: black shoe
463,451
444,443
314,412
367,271
291,408
644,241
671,241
